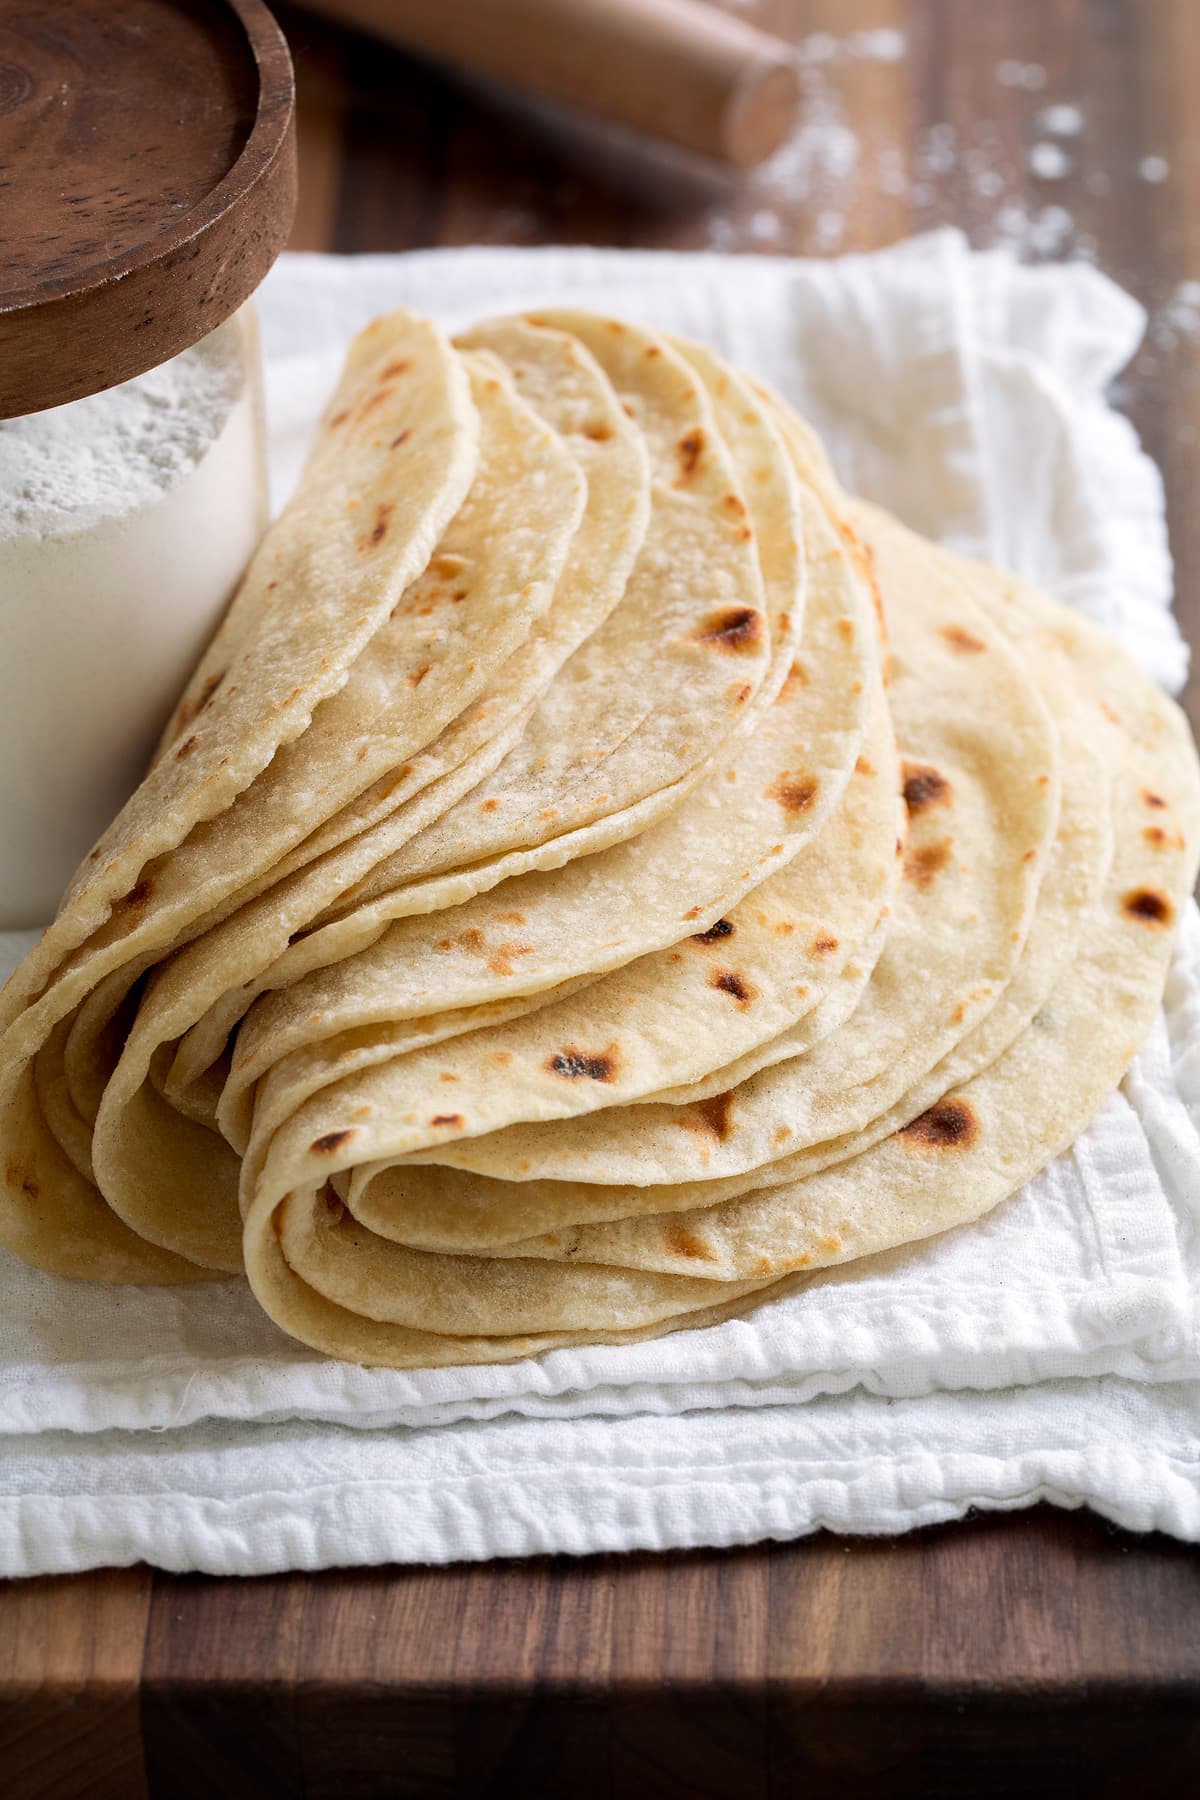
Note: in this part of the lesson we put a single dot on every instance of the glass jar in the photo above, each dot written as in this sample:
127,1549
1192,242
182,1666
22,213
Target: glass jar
126,520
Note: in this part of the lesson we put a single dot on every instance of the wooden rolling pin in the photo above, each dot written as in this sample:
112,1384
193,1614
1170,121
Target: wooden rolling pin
678,69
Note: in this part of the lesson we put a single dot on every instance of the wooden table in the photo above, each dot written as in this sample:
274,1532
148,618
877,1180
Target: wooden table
1041,1652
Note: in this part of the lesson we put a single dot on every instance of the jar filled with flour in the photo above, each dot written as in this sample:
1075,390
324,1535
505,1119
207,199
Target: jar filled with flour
132,436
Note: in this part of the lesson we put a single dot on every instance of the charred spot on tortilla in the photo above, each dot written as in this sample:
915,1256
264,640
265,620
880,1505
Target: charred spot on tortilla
722,929
401,437
733,984
576,1065
924,786
794,792
446,1119
1148,905
378,531
1153,800
737,630
948,1124
690,448
333,1140
716,1113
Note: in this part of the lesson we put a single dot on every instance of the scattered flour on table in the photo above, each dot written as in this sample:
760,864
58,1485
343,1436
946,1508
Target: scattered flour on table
1049,162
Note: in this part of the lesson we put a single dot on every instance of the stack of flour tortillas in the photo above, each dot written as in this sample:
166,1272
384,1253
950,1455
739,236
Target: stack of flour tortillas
599,873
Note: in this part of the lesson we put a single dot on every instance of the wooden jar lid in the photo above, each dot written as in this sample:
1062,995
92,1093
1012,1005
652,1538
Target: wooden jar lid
147,183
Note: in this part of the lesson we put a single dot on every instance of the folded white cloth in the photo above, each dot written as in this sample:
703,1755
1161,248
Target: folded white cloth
1050,1351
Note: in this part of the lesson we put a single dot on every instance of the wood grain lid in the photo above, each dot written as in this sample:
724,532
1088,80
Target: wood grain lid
147,183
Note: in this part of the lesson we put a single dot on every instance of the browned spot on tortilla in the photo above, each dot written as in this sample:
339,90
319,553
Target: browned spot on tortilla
959,1013
401,437
1160,839
186,748
1148,905
845,629
446,1119
1043,781
765,1265
924,786
335,1212
18,1176
737,630
629,411
393,369
722,929
920,866
1029,856
693,912
690,448
616,327
716,1114
948,1124
503,1057
599,433
733,984
781,1134
575,1064
339,418
794,792
960,640
138,896
490,806
447,1076
796,677
333,1140
653,350
823,944
784,927
864,766
511,918
1154,800
831,1244
417,676
685,1243
471,938
271,586
500,961
741,694
735,504
378,532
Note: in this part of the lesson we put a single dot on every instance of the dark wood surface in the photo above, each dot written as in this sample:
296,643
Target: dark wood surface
1037,1653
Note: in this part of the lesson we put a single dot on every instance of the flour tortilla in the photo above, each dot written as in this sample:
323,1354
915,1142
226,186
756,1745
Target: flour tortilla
961,1157
625,1175
975,1144
969,720
528,484
317,557
148,1157
565,386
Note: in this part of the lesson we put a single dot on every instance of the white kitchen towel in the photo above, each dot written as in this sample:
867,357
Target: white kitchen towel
1050,1351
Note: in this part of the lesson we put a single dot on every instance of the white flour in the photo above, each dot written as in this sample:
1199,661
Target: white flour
126,520
109,454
